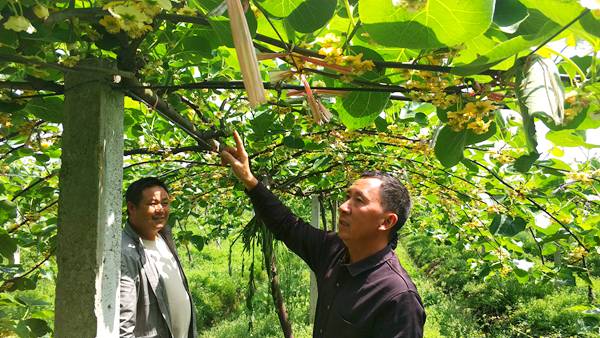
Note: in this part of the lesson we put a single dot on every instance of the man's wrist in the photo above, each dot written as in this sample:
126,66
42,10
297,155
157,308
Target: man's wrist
250,182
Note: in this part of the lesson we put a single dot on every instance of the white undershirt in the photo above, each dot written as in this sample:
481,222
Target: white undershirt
178,298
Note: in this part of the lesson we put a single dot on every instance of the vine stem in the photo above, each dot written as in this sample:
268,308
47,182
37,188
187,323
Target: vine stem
8,283
562,29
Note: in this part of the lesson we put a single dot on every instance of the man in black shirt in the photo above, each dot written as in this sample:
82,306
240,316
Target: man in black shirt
363,290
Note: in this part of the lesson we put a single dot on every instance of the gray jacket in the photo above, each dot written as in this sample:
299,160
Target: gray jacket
144,308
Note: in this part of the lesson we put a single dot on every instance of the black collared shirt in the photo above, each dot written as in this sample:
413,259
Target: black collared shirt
374,297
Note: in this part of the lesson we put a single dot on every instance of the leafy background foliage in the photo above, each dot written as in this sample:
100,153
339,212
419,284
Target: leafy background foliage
438,92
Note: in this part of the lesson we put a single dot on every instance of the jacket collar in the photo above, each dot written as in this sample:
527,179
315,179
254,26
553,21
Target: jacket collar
370,262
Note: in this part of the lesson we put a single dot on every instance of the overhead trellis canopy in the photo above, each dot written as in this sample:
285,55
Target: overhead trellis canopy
477,104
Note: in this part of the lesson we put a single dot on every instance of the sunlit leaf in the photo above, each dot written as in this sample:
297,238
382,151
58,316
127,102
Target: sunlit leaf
439,23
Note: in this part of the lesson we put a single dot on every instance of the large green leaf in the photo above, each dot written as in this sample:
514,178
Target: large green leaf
449,146
493,47
312,15
360,109
507,225
440,23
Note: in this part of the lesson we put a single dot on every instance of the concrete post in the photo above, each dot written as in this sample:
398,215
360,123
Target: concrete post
313,279
89,215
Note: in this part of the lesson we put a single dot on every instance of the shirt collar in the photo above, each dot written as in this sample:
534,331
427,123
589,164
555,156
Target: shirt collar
370,262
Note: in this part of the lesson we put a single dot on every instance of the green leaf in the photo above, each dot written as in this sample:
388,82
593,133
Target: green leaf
421,119
440,23
590,222
473,138
10,107
222,28
449,146
508,14
312,15
495,47
569,138
35,327
47,108
293,142
524,163
506,225
280,8
549,249
198,241
360,109
8,246
197,44
590,24
8,211
562,12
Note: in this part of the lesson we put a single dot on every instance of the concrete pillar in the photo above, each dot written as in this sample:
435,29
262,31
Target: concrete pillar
89,215
314,294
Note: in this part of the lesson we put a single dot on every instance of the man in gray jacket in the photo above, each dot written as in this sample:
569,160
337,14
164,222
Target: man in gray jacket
155,297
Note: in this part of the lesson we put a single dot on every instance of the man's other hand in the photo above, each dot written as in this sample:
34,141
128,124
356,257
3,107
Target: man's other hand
237,159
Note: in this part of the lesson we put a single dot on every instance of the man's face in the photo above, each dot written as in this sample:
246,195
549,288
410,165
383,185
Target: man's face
362,214
152,212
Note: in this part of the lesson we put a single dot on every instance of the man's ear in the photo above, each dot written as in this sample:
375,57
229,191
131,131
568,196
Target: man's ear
389,221
130,208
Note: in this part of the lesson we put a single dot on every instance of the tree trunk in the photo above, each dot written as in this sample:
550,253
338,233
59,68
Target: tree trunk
271,265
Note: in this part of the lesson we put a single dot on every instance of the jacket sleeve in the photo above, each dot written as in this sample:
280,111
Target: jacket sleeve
303,239
403,316
129,297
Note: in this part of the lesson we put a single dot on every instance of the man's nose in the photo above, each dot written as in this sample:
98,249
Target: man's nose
344,207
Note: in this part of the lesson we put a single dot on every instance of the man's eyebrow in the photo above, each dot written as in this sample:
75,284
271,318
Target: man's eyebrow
356,191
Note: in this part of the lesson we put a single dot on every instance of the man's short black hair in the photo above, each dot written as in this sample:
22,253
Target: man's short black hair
394,198
134,191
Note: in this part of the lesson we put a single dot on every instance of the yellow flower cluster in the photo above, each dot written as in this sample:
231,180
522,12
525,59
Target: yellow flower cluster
577,254
5,121
473,225
430,87
422,147
577,102
70,61
505,270
503,157
493,209
579,176
474,116
330,48
132,16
